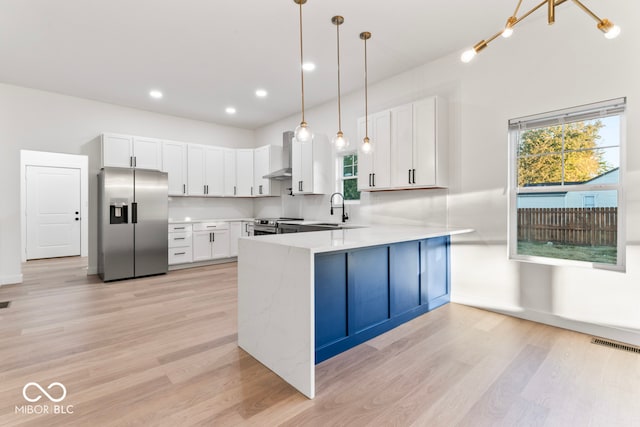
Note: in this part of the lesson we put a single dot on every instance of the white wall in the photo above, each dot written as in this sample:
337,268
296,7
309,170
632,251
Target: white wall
539,69
43,121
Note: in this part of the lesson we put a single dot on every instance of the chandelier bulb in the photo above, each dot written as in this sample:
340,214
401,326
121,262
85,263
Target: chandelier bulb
366,145
468,55
340,141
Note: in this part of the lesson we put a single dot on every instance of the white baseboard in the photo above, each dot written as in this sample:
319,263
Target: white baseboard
202,263
604,331
11,280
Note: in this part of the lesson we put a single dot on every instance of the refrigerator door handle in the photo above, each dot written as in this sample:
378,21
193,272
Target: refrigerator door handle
134,212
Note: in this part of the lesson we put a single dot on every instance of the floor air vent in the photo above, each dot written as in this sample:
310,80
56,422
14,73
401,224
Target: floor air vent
616,345
5,304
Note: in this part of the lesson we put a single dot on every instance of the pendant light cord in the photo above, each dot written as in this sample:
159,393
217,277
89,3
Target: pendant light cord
366,94
301,63
339,108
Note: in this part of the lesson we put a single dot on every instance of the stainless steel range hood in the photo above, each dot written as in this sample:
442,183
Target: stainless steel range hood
284,173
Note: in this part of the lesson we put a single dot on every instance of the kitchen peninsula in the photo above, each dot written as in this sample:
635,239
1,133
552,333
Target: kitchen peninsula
305,297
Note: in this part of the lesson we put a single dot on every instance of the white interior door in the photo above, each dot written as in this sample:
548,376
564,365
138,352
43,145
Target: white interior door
53,212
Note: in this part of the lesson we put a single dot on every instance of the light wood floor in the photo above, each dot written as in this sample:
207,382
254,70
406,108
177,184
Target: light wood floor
162,351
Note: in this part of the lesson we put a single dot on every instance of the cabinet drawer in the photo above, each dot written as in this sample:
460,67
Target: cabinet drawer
179,228
177,240
210,226
180,255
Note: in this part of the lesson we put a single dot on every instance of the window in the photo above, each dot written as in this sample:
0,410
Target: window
566,186
348,179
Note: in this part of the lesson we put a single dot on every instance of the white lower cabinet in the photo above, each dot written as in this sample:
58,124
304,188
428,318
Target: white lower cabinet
180,244
210,241
235,231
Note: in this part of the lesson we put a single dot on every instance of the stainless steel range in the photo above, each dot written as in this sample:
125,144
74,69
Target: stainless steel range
264,226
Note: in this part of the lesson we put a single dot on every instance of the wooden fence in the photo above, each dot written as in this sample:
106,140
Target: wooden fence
571,226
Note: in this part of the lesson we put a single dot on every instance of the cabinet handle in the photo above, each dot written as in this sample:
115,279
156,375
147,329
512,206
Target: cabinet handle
184,188
212,226
409,176
252,191
180,253
135,162
210,234
213,236
374,179
235,192
260,189
179,238
414,176
130,161
178,228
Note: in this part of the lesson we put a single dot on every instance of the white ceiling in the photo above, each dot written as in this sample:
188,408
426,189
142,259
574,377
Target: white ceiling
205,55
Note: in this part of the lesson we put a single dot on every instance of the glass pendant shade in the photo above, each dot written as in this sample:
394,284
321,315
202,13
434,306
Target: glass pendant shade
303,133
340,141
366,146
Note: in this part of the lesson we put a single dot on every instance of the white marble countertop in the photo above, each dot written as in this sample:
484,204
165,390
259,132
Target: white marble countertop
315,222
336,240
194,220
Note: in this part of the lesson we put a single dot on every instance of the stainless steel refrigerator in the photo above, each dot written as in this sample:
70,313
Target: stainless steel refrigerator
132,223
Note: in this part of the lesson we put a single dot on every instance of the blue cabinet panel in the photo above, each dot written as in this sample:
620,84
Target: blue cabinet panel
330,298
435,271
368,289
404,273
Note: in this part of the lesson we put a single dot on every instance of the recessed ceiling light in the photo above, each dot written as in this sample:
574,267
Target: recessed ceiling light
261,93
156,94
230,110
308,66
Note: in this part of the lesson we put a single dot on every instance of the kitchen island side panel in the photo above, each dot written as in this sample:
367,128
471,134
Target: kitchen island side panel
275,310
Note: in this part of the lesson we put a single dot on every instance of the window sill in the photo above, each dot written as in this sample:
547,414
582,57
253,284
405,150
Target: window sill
559,262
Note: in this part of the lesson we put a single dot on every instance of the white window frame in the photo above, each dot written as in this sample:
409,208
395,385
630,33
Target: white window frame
593,111
340,178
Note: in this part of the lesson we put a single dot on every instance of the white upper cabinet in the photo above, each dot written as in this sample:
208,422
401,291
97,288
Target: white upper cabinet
117,150
312,168
244,172
409,147
214,171
196,172
374,169
127,151
205,170
230,188
174,163
147,153
265,161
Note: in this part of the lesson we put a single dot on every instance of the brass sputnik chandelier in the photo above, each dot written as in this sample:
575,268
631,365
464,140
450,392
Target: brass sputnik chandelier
610,30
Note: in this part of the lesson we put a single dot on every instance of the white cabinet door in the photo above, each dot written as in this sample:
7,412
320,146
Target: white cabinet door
302,167
235,231
230,173
381,125
261,164
174,163
147,153
202,241
220,244
402,146
196,174
117,150
214,171
244,172
247,229
424,147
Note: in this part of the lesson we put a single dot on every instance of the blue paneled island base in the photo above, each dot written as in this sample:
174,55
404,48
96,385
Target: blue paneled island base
362,293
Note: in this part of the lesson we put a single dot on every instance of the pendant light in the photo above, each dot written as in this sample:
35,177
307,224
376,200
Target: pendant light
302,132
366,142
339,140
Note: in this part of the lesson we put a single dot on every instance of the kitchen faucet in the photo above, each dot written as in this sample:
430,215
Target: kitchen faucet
345,216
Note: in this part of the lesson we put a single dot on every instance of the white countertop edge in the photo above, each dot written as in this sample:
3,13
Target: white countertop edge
317,240
194,221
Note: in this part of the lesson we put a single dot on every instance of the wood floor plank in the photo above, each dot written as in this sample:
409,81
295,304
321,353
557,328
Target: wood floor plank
162,351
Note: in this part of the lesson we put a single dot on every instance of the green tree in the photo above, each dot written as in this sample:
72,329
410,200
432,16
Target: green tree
540,153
